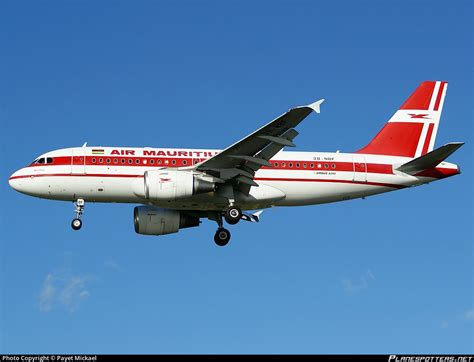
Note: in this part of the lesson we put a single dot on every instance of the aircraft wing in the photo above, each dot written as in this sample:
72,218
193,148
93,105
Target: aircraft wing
238,163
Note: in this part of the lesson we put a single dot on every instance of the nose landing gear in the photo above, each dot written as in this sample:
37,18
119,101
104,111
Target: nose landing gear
76,223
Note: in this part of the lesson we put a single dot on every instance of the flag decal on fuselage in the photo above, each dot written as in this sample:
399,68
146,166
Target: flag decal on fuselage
97,152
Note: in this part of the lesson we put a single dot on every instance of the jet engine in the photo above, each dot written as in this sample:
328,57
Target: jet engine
171,185
151,220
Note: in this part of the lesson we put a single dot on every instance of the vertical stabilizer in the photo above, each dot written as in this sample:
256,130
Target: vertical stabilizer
411,132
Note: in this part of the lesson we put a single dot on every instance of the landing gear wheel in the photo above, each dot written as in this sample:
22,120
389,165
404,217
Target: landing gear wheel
76,224
222,237
233,215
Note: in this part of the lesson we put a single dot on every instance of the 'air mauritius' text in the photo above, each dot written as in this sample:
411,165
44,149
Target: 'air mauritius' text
164,153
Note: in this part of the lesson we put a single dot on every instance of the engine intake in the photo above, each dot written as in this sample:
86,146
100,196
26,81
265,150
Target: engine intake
150,220
174,184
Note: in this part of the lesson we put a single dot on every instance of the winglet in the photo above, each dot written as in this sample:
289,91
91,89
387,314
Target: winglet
255,217
316,106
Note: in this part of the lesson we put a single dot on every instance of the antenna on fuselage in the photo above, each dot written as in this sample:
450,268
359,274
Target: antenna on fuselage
85,144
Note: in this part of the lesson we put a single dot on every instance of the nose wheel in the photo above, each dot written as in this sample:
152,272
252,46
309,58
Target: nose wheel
76,223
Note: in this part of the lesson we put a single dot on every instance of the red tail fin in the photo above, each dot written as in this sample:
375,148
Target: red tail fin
411,132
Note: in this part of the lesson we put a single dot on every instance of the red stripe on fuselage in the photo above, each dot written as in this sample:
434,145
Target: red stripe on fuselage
76,175
335,181
434,173
257,179
302,165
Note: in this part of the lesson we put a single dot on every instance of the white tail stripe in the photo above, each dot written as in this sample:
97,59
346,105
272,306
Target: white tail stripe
403,115
434,96
422,139
436,124
441,102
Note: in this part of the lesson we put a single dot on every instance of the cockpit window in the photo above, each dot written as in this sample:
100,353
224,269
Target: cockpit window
42,161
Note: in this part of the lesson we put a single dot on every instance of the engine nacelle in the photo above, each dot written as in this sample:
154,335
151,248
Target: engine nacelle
150,220
171,185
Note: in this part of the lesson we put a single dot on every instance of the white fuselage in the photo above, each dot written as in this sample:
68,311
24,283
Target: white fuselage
114,174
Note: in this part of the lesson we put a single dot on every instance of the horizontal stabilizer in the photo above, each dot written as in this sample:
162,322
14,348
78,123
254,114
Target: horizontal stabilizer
431,159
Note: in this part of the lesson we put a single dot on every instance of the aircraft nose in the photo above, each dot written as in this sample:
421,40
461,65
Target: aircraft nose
16,182
12,180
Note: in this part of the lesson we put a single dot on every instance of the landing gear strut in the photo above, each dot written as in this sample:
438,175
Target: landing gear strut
76,223
222,236
233,215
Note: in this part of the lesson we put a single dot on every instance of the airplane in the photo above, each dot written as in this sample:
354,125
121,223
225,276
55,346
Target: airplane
177,187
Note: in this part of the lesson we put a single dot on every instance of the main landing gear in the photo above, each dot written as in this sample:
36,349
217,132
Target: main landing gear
222,236
76,223
232,216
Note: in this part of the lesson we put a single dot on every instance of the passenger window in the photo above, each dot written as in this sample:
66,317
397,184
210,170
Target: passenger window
122,160
152,161
275,164
93,160
137,161
130,161
283,164
115,160
101,160
185,162
159,162
333,166
290,165
311,165
326,165
297,165
304,165
108,160
173,162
